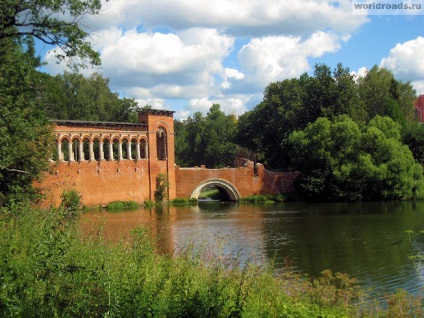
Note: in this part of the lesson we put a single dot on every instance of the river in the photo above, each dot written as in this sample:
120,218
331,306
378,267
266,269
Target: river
366,240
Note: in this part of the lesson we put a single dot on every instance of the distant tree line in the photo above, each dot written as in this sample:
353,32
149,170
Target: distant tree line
350,138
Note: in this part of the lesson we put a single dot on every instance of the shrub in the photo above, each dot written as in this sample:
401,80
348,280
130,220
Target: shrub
121,205
162,187
183,201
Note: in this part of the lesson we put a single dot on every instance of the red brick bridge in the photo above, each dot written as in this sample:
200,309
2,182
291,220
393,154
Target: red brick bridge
107,161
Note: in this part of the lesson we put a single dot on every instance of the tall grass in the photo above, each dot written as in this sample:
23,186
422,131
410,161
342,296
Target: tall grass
49,269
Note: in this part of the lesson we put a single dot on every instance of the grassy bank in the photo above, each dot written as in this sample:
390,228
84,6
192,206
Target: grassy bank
49,269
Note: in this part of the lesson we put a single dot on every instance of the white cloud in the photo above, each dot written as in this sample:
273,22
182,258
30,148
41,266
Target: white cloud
179,49
406,60
362,72
231,105
240,17
271,59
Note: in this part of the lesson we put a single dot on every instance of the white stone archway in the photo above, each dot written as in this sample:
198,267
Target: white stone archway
224,185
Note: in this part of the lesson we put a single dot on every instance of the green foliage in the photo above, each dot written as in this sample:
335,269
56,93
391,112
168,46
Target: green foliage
53,22
385,96
257,199
49,269
71,201
25,135
264,199
122,205
183,201
73,96
413,136
294,103
149,203
340,161
162,187
206,140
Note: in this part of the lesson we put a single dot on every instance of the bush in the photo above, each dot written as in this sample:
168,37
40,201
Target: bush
122,205
48,269
183,201
162,187
257,199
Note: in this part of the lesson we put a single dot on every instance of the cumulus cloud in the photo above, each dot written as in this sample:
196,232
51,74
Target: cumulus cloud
155,51
406,59
240,17
271,59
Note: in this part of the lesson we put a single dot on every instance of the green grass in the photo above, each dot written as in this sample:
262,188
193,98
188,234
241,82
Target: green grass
48,268
210,193
183,201
122,205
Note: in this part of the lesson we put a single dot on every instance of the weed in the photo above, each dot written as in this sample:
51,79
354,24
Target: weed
122,205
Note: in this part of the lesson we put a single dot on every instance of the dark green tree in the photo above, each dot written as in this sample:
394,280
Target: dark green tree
206,140
339,160
385,96
73,96
25,134
52,22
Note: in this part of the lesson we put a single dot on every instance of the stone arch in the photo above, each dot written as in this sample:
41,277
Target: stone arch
161,143
229,189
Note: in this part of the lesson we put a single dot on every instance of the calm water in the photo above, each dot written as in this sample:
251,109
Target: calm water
366,240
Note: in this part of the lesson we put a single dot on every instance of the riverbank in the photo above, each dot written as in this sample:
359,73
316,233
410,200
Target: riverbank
48,268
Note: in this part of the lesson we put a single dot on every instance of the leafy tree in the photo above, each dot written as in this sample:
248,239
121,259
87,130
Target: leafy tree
340,161
385,96
414,137
73,96
52,22
25,135
206,140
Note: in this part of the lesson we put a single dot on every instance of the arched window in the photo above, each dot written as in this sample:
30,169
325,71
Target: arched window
161,143
143,149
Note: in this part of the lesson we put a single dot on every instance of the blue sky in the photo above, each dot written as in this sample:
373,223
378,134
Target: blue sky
185,55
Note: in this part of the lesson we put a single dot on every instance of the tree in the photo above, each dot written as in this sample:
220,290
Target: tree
339,160
385,96
206,140
52,22
73,96
25,134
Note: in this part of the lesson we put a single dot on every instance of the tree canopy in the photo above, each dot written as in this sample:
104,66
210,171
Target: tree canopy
25,133
73,96
56,23
339,160
294,103
206,140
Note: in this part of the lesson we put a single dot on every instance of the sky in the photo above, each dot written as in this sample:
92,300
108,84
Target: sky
185,55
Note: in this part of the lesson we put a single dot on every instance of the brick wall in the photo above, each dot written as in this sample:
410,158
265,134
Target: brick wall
243,179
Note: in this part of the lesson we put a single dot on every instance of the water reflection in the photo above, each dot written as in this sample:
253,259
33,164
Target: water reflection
366,240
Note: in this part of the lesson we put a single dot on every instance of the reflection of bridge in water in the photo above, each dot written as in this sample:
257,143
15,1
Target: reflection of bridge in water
107,161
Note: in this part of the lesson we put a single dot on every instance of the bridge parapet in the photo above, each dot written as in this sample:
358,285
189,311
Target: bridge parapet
246,180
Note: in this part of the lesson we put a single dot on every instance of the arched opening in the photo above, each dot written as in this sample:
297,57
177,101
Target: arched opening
134,149
222,190
86,148
115,147
96,149
107,145
161,144
73,153
65,149
143,149
124,147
